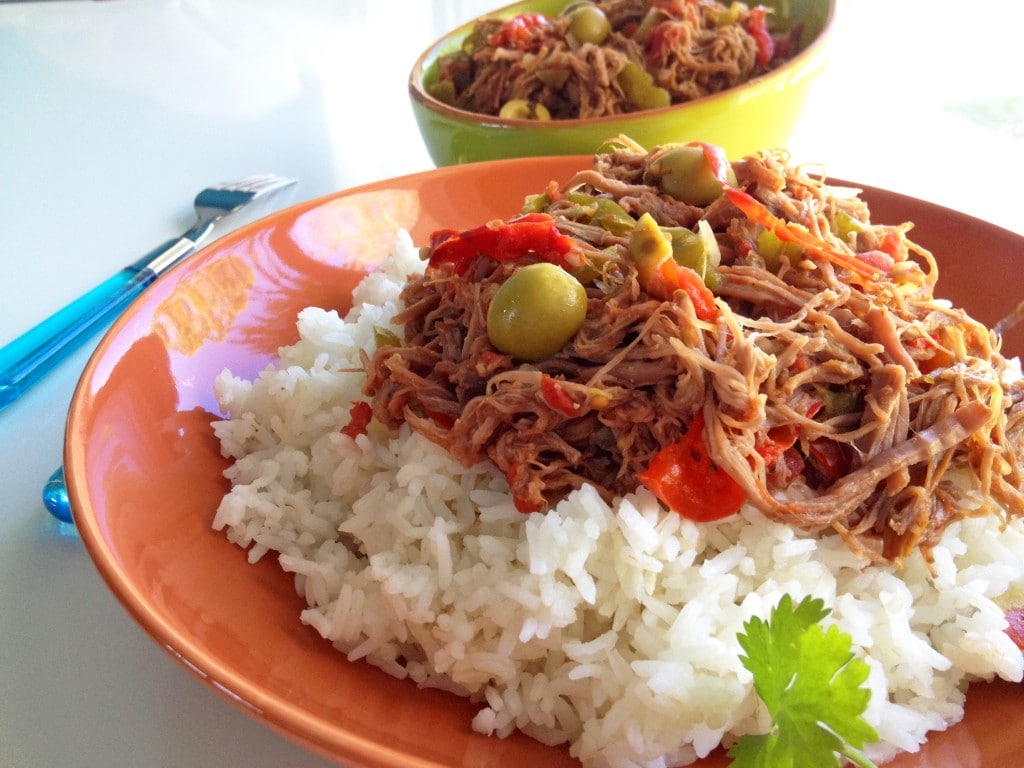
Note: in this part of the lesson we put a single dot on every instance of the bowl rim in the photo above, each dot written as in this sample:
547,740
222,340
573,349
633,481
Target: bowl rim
420,96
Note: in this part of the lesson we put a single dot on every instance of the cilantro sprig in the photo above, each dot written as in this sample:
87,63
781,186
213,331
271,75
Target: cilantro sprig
810,682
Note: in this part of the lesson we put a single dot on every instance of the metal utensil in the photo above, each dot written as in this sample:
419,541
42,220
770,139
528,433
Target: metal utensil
28,358
24,361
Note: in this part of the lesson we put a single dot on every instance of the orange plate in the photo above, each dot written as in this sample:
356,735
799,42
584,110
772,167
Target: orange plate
144,469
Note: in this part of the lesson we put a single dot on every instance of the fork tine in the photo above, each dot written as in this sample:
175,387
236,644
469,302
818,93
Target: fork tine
256,184
272,183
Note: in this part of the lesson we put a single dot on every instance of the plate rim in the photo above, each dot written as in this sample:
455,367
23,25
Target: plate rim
306,728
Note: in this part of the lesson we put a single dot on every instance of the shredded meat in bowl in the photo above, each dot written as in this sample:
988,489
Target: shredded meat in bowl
643,55
832,386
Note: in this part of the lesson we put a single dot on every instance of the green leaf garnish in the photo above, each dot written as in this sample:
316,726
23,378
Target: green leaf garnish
810,682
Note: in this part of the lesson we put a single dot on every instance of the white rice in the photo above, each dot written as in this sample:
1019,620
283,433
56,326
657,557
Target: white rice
612,629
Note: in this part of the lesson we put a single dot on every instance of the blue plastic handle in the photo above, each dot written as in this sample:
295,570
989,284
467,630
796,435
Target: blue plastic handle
55,497
36,352
28,358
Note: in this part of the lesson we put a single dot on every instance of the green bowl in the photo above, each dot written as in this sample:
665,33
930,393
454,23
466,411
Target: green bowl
759,114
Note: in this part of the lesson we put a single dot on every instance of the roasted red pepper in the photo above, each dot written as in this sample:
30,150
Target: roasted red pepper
661,41
684,477
938,358
359,416
776,442
757,27
532,235
881,260
715,157
701,296
554,395
892,244
831,459
665,278
523,32
443,420
522,504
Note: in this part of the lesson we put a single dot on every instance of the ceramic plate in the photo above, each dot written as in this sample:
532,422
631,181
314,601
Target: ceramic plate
144,469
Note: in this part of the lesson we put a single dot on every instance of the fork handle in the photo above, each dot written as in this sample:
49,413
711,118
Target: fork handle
28,358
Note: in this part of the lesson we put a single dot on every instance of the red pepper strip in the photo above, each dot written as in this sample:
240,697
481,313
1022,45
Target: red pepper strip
526,507
443,420
880,260
533,234
715,157
939,358
554,395
522,32
813,409
1015,625
757,26
359,416
664,279
800,364
776,442
892,245
830,458
757,212
683,476
522,505
661,41
701,296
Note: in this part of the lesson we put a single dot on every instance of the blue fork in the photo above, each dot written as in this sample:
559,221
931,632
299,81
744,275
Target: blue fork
27,359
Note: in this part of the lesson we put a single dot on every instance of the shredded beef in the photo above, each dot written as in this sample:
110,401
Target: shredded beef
884,390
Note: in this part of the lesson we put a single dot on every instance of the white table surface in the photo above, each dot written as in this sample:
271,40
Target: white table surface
113,115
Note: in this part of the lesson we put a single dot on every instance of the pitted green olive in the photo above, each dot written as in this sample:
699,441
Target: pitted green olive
522,109
684,173
588,24
536,312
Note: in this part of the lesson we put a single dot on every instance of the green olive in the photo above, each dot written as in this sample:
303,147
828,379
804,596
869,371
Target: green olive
574,6
588,24
684,173
536,312
638,85
521,109
443,91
